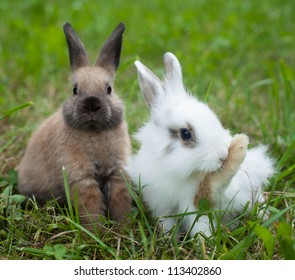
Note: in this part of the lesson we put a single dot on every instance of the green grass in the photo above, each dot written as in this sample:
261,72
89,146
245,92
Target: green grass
238,56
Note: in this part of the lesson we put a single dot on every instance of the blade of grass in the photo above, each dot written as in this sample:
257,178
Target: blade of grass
99,241
244,244
138,201
68,194
268,239
7,144
10,112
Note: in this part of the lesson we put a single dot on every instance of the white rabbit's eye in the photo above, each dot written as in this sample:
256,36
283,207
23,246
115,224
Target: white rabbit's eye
109,89
75,90
185,134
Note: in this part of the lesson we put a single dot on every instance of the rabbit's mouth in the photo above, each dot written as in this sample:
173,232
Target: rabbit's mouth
100,121
94,122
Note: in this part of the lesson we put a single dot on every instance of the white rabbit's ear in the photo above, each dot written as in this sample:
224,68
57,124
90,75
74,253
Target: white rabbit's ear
173,74
150,84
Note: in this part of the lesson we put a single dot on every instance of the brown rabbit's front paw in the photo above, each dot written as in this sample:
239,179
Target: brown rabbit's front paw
238,149
120,200
90,205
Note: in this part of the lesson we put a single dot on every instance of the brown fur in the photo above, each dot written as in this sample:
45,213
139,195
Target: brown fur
215,182
91,143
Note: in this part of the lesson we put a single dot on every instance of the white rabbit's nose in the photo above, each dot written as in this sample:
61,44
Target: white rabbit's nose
223,156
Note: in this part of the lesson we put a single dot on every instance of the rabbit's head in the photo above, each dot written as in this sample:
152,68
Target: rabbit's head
93,104
183,133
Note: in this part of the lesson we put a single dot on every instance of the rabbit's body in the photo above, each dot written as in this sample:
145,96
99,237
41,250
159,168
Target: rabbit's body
87,136
186,155
91,158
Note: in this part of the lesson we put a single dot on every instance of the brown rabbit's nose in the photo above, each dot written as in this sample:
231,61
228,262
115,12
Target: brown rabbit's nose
91,104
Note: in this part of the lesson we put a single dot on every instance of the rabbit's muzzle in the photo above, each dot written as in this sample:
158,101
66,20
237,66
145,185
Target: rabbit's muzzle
92,113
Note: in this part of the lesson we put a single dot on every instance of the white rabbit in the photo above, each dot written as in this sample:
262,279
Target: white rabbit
186,154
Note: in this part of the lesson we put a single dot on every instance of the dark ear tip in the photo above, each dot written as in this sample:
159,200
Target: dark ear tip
67,26
121,27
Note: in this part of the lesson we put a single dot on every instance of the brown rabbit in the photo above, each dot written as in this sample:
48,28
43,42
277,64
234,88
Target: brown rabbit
87,135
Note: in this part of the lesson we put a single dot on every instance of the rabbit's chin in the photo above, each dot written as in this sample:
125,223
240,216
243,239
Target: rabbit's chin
94,125
87,122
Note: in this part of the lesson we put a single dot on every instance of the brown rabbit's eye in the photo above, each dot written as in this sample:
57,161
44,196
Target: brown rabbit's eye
75,90
109,89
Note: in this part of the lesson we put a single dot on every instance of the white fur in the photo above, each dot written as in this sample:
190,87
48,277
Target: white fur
170,172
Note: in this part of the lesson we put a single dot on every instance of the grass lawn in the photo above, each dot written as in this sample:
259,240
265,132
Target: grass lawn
238,56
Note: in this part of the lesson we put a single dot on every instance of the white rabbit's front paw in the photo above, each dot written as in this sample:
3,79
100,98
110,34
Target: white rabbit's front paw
238,149
215,183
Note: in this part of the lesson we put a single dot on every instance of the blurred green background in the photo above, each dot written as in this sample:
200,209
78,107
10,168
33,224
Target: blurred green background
239,56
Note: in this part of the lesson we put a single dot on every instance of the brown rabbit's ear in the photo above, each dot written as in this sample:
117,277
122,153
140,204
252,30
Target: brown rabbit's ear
109,56
77,53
